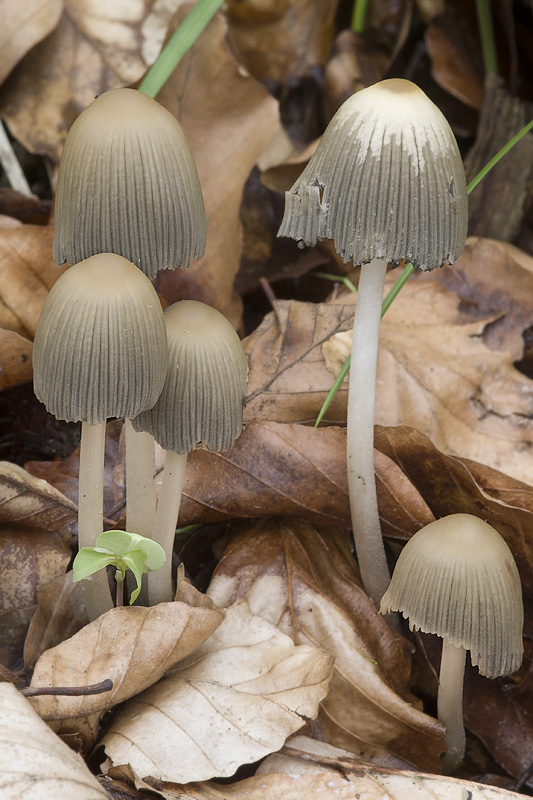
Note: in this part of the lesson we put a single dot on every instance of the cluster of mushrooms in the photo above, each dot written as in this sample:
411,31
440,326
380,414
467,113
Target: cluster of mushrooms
129,203
387,185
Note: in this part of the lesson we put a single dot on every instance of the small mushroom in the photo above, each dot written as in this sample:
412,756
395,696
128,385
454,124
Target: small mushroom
457,578
387,184
128,184
100,351
201,401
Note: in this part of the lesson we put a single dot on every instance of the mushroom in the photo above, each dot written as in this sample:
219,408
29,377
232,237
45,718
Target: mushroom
99,351
387,184
201,401
127,184
457,578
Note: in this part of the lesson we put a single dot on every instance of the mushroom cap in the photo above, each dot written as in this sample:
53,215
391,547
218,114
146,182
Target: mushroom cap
128,184
457,577
202,399
100,346
386,182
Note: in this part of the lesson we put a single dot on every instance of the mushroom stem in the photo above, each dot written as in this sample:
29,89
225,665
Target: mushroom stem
450,704
140,480
90,513
360,445
164,530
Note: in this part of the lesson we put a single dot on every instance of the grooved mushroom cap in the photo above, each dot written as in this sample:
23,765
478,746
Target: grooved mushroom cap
100,346
456,577
202,399
128,184
386,181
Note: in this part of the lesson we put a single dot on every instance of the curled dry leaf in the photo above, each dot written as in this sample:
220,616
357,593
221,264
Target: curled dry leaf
96,46
131,646
33,761
306,582
26,500
250,479
228,131
233,701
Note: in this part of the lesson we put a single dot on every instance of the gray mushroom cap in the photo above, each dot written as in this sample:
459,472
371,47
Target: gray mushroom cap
386,182
128,184
202,399
457,578
100,346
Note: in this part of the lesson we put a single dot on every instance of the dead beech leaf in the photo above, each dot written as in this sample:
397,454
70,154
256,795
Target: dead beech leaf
32,502
307,583
282,41
23,26
132,646
227,131
96,46
61,612
33,761
15,359
250,479
233,701
289,379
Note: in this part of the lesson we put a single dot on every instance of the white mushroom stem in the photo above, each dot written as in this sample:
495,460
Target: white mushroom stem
450,704
164,530
90,513
361,401
140,480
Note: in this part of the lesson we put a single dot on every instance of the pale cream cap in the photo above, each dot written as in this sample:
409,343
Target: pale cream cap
386,182
128,184
100,347
202,399
457,578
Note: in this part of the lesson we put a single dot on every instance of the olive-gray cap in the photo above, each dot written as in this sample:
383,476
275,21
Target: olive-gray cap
386,181
128,184
100,346
457,578
202,399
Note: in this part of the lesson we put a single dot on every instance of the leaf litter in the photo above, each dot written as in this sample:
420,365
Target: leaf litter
299,644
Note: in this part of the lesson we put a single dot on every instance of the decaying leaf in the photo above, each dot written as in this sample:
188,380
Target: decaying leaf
23,25
34,762
289,379
32,502
227,131
132,646
306,582
233,701
96,46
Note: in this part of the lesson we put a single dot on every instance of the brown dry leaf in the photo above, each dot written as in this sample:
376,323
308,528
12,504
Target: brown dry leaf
32,502
33,761
228,130
61,612
280,41
289,378
96,46
437,374
132,646
233,701
16,365
251,480
306,582
23,25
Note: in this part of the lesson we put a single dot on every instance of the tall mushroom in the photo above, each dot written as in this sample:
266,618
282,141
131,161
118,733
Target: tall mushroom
100,351
387,184
457,577
201,401
128,184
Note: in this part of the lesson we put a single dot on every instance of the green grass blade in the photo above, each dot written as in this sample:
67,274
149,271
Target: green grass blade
181,41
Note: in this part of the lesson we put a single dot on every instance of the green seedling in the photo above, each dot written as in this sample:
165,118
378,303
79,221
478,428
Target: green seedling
123,551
